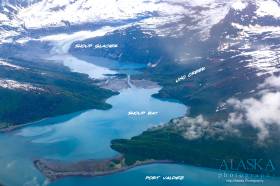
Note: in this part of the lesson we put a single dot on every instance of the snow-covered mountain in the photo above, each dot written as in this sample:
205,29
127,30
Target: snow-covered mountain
249,27
151,15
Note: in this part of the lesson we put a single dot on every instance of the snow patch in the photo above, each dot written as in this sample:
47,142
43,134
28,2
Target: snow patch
264,58
159,14
6,64
12,84
268,8
239,5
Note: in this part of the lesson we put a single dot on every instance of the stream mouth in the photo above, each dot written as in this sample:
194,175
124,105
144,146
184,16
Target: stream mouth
83,135
87,135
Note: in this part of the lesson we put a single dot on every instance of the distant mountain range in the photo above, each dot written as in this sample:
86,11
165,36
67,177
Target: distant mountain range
153,15
234,99
235,25
235,37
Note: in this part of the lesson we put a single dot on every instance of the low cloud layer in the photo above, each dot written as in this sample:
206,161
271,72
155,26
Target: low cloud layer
192,128
271,82
260,112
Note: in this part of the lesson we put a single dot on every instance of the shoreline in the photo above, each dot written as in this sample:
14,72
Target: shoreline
68,169
115,84
118,84
16,127
45,167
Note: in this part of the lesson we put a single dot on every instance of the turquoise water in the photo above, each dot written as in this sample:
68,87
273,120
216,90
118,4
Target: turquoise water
120,66
193,176
85,135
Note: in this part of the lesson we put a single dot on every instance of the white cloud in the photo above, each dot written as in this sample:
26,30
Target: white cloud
191,128
258,112
271,82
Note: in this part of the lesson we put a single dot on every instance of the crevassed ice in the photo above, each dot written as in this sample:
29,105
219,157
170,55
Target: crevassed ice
61,44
